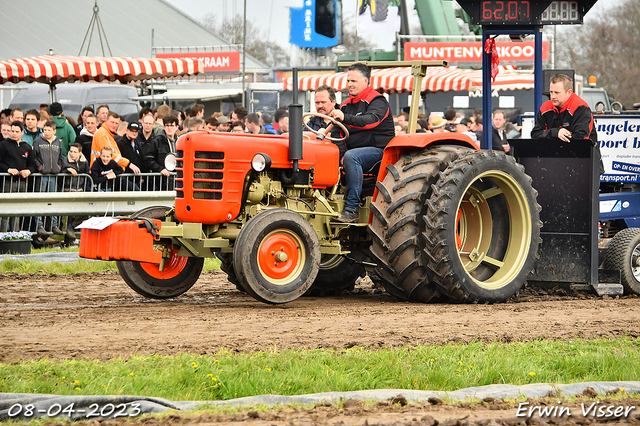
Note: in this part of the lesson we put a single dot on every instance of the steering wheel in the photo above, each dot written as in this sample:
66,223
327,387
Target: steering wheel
332,120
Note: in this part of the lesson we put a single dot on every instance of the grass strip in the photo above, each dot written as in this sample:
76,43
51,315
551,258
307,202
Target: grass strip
30,266
292,372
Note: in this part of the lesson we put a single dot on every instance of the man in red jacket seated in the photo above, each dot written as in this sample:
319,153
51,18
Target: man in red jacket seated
367,116
566,116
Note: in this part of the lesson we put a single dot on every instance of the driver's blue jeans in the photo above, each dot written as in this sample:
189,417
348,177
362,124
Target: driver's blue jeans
355,162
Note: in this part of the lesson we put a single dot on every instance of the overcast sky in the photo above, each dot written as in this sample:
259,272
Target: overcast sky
273,15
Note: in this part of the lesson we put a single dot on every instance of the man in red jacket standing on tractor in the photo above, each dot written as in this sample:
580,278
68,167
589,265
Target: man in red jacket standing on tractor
566,116
367,116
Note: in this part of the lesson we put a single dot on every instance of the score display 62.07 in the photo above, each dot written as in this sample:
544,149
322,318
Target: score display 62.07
517,12
525,12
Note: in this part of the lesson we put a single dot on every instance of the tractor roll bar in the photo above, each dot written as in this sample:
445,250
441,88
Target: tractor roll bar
418,71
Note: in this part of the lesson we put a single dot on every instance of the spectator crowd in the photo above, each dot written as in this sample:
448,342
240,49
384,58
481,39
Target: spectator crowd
100,144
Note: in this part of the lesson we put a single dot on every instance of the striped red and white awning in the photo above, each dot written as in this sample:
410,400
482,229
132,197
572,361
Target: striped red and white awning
438,79
53,69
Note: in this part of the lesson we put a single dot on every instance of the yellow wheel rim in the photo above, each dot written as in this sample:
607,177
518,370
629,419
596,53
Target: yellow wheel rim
476,229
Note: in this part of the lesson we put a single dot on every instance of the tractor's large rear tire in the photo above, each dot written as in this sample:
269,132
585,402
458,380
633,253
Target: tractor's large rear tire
623,253
178,275
336,274
397,225
276,256
482,228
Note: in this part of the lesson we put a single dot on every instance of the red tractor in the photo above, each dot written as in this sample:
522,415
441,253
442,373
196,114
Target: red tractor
441,219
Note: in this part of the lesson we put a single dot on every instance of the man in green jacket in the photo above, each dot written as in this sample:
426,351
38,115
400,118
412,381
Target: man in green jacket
64,130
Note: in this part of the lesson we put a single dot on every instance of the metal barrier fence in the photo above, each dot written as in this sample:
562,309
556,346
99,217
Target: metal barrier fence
66,195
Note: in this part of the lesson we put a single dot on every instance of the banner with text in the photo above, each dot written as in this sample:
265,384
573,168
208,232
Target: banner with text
471,52
212,61
619,140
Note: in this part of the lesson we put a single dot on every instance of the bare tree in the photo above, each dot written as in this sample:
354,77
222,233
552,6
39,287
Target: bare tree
258,46
606,48
349,37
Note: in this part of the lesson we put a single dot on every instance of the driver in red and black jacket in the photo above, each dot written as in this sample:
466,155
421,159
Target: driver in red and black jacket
566,116
367,116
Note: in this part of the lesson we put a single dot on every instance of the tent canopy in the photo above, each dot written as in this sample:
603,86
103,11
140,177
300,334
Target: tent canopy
438,79
54,69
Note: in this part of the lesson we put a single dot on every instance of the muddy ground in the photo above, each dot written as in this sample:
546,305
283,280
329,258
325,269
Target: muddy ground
96,316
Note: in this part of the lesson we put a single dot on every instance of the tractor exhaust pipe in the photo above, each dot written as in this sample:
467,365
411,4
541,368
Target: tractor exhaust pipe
295,125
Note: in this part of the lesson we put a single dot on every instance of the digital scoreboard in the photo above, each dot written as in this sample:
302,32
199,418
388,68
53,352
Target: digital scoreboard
526,12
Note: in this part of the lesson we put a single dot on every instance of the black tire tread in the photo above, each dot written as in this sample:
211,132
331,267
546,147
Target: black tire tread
437,223
333,281
382,10
396,226
618,256
226,266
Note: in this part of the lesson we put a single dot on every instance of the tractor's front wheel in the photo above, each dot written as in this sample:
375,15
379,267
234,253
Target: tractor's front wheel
482,228
179,274
276,256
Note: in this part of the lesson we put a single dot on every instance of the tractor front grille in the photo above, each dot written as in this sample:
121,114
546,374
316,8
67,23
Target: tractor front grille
206,183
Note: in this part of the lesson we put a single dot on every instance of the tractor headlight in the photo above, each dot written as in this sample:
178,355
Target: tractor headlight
170,162
260,162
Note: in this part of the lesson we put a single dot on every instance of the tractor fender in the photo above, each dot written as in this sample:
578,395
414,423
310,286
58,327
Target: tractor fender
411,142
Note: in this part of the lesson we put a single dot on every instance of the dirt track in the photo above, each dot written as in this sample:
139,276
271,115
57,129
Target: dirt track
97,316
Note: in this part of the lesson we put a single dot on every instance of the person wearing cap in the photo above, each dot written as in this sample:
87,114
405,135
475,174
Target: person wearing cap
223,124
64,131
129,147
461,125
437,124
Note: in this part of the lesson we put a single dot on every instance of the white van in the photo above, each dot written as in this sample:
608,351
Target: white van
75,96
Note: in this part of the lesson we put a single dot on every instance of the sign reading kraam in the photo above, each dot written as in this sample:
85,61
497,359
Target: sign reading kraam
212,61
471,52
